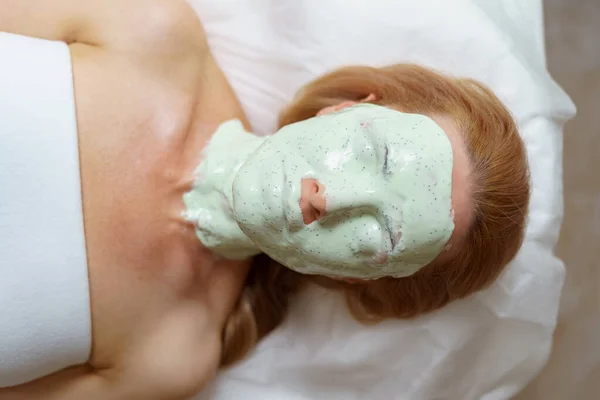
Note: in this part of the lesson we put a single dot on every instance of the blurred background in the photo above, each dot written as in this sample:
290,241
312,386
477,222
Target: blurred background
573,54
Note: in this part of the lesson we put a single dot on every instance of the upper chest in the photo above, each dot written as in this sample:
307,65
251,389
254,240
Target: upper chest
134,130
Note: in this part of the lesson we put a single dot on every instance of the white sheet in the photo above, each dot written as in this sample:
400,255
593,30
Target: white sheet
485,347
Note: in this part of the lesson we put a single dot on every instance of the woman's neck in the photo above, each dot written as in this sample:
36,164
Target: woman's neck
208,203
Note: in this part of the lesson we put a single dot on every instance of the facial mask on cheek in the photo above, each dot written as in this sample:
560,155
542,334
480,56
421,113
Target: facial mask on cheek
388,181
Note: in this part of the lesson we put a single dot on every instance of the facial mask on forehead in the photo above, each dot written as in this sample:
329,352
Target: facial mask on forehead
387,180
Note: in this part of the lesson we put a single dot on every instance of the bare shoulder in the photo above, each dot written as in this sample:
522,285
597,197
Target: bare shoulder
155,34
158,27
179,357
149,63
133,26
160,374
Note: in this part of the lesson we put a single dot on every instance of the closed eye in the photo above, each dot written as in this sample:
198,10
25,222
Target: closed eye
386,166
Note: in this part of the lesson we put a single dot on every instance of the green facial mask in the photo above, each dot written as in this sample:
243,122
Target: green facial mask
208,204
388,181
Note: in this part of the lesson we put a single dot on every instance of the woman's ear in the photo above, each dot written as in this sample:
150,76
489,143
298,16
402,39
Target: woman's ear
345,104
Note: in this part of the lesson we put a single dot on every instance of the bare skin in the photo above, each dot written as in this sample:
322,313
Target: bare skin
148,97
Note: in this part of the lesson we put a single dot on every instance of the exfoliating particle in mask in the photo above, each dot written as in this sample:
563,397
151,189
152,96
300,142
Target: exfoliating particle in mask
387,179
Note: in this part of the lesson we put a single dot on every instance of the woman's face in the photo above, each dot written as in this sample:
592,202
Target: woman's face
364,192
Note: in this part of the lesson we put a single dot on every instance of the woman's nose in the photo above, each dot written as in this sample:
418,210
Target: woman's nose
314,205
312,200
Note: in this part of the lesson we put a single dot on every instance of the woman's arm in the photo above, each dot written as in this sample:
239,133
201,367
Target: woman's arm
162,35
71,384
83,383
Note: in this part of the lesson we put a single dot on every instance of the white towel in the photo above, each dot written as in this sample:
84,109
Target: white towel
45,322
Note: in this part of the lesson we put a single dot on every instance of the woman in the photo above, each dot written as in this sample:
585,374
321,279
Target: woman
490,196
163,307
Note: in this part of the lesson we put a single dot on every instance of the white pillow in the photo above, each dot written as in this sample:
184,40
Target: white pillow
485,347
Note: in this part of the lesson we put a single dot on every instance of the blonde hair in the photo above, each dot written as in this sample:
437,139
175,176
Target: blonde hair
500,197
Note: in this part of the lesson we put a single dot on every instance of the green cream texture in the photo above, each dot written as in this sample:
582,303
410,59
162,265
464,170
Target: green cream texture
388,183
208,203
